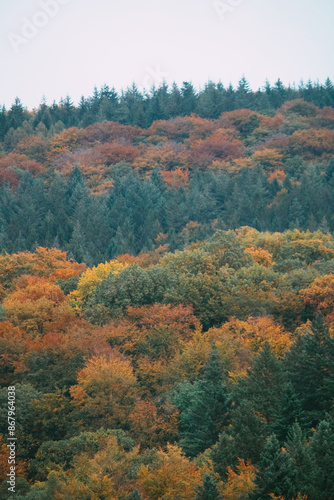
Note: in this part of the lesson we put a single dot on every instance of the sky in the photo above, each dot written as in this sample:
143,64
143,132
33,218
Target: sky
54,48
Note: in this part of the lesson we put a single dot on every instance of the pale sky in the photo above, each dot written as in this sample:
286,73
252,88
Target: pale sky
78,44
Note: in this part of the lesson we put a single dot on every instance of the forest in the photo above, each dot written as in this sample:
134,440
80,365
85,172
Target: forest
167,294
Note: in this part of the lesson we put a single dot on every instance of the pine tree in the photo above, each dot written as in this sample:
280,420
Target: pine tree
322,455
310,367
203,407
135,495
298,449
276,472
263,385
209,490
290,411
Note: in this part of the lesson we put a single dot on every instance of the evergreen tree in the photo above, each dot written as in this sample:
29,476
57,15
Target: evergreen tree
209,490
135,495
203,408
276,473
290,411
298,449
322,456
310,367
263,386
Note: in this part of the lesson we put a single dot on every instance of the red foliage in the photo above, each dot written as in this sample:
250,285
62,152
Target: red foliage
176,178
22,162
222,145
108,132
34,147
117,151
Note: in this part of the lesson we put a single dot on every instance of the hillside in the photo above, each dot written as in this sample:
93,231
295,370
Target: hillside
109,188
167,295
208,369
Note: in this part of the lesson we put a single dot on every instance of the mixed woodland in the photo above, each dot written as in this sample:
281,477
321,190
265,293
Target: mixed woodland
167,294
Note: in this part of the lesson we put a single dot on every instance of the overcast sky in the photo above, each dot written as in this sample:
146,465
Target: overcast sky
69,46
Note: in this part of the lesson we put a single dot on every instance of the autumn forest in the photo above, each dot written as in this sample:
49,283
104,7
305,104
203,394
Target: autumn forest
167,294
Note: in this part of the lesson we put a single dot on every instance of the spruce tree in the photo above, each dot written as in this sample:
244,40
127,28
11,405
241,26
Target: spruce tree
203,407
290,411
263,385
276,472
322,456
209,490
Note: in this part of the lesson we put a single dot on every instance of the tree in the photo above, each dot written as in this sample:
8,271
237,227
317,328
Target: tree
203,407
174,476
241,484
276,472
105,391
290,411
263,385
321,450
37,306
209,490
310,367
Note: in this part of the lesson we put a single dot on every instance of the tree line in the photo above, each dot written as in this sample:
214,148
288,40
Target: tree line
141,108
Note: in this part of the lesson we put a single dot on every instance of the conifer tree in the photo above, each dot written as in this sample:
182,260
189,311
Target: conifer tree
203,407
209,490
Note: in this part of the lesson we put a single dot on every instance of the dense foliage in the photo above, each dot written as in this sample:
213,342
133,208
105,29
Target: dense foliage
107,188
205,373
167,294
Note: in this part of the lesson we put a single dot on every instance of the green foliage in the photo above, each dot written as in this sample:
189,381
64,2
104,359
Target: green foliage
277,473
310,365
322,451
209,489
264,384
203,406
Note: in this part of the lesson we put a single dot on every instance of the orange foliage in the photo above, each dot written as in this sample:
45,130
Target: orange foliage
312,143
47,262
176,178
157,331
240,484
117,151
20,161
320,295
67,140
8,176
174,478
269,159
34,147
108,132
106,389
220,145
239,119
12,349
238,340
279,175
168,156
261,256
37,305
153,426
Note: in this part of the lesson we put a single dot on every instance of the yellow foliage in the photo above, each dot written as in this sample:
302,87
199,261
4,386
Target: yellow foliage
269,159
240,484
90,280
106,388
174,478
47,262
36,305
261,256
